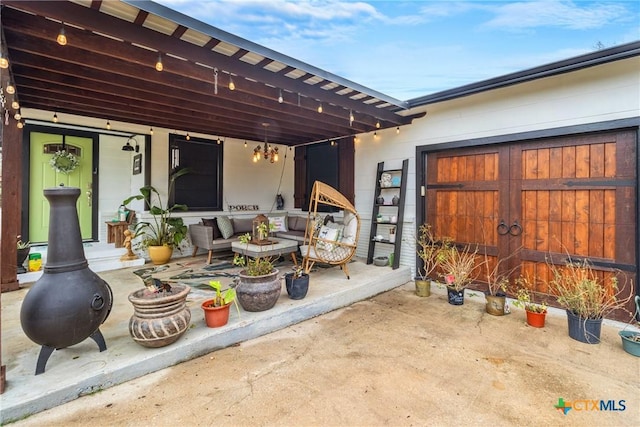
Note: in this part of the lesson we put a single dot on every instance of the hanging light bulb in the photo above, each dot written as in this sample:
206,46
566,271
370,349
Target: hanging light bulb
15,105
351,118
20,124
108,125
232,85
62,37
245,144
320,108
378,124
188,136
17,115
151,131
4,62
159,66
398,129
11,89
55,118
280,98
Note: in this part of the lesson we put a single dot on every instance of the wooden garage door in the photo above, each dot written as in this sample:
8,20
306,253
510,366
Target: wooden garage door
543,199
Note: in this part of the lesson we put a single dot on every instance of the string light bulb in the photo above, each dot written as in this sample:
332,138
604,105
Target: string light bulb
108,125
62,37
320,108
159,66
55,118
4,62
245,144
11,89
20,124
398,130
150,131
15,105
280,98
232,85
188,136
17,115
351,118
378,124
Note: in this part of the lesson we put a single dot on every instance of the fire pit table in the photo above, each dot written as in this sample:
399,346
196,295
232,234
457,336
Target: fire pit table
277,247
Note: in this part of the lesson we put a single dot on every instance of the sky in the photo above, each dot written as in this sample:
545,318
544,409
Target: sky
409,49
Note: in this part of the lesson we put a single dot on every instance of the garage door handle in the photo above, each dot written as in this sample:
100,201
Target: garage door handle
515,229
503,228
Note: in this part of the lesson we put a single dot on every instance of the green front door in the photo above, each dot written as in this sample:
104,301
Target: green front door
42,175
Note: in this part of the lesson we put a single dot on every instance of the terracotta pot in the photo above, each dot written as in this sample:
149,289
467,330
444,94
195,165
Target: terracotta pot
215,317
159,319
495,304
258,293
160,254
536,319
423,287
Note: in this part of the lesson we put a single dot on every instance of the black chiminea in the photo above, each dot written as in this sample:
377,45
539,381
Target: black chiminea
69,302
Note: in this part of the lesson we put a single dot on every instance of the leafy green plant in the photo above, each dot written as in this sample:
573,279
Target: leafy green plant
220,299
254,266
164,230
579,289
430,250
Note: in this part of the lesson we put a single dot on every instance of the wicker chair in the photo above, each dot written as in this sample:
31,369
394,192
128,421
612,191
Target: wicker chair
324,249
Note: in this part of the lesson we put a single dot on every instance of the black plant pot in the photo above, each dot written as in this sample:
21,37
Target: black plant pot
22,256
296,288
584,330
455,297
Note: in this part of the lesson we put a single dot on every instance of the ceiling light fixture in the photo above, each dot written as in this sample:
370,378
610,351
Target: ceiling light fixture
62,37
55,118
268,152
159,66
4,62
280,98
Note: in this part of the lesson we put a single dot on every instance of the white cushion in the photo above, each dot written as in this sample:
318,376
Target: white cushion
279,223
350,228
327,233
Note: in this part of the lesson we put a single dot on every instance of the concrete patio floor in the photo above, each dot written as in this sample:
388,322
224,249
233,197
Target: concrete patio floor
391,359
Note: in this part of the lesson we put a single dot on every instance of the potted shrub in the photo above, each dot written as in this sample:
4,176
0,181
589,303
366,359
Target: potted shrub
297,283
165,231
430,251
536,312
497,279
216,310
587,297
631,339
458,268
259,286
22,254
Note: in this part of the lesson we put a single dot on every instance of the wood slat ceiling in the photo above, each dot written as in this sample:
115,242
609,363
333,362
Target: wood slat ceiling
107,70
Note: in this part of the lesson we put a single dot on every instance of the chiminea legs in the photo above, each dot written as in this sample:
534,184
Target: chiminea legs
46,351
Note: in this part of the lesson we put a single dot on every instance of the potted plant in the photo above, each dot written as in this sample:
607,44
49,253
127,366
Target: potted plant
536,312
22,254
297,283
631,339
216,310
258,286
430,251
458,270
497,278
165,231
586,296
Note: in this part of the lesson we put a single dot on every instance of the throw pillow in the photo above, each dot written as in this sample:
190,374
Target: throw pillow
213,223
225,226
279,223
327,233
242,225
350,228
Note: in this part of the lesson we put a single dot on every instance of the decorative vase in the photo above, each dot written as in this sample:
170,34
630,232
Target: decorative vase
380,200
395,200
495,304
584,330
215,317
423,287
159,319
536,319
258,293
454,296
160,254
21,257
296,288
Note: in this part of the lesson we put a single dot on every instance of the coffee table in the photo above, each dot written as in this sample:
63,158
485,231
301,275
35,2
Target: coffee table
279,247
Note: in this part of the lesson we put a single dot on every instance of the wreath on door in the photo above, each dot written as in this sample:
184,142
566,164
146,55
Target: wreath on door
64,162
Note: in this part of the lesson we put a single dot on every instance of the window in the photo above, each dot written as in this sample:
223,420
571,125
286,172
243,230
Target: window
201,188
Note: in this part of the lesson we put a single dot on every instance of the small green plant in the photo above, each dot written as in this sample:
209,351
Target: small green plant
430,250
297,271
220,299
525,296
258,266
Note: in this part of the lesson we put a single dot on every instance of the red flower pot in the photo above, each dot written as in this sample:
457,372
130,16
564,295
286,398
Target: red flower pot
536,319
215,317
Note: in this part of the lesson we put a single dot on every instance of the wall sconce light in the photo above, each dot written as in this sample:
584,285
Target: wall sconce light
4,62
62,37
128,146
280,98
55,118
159,66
